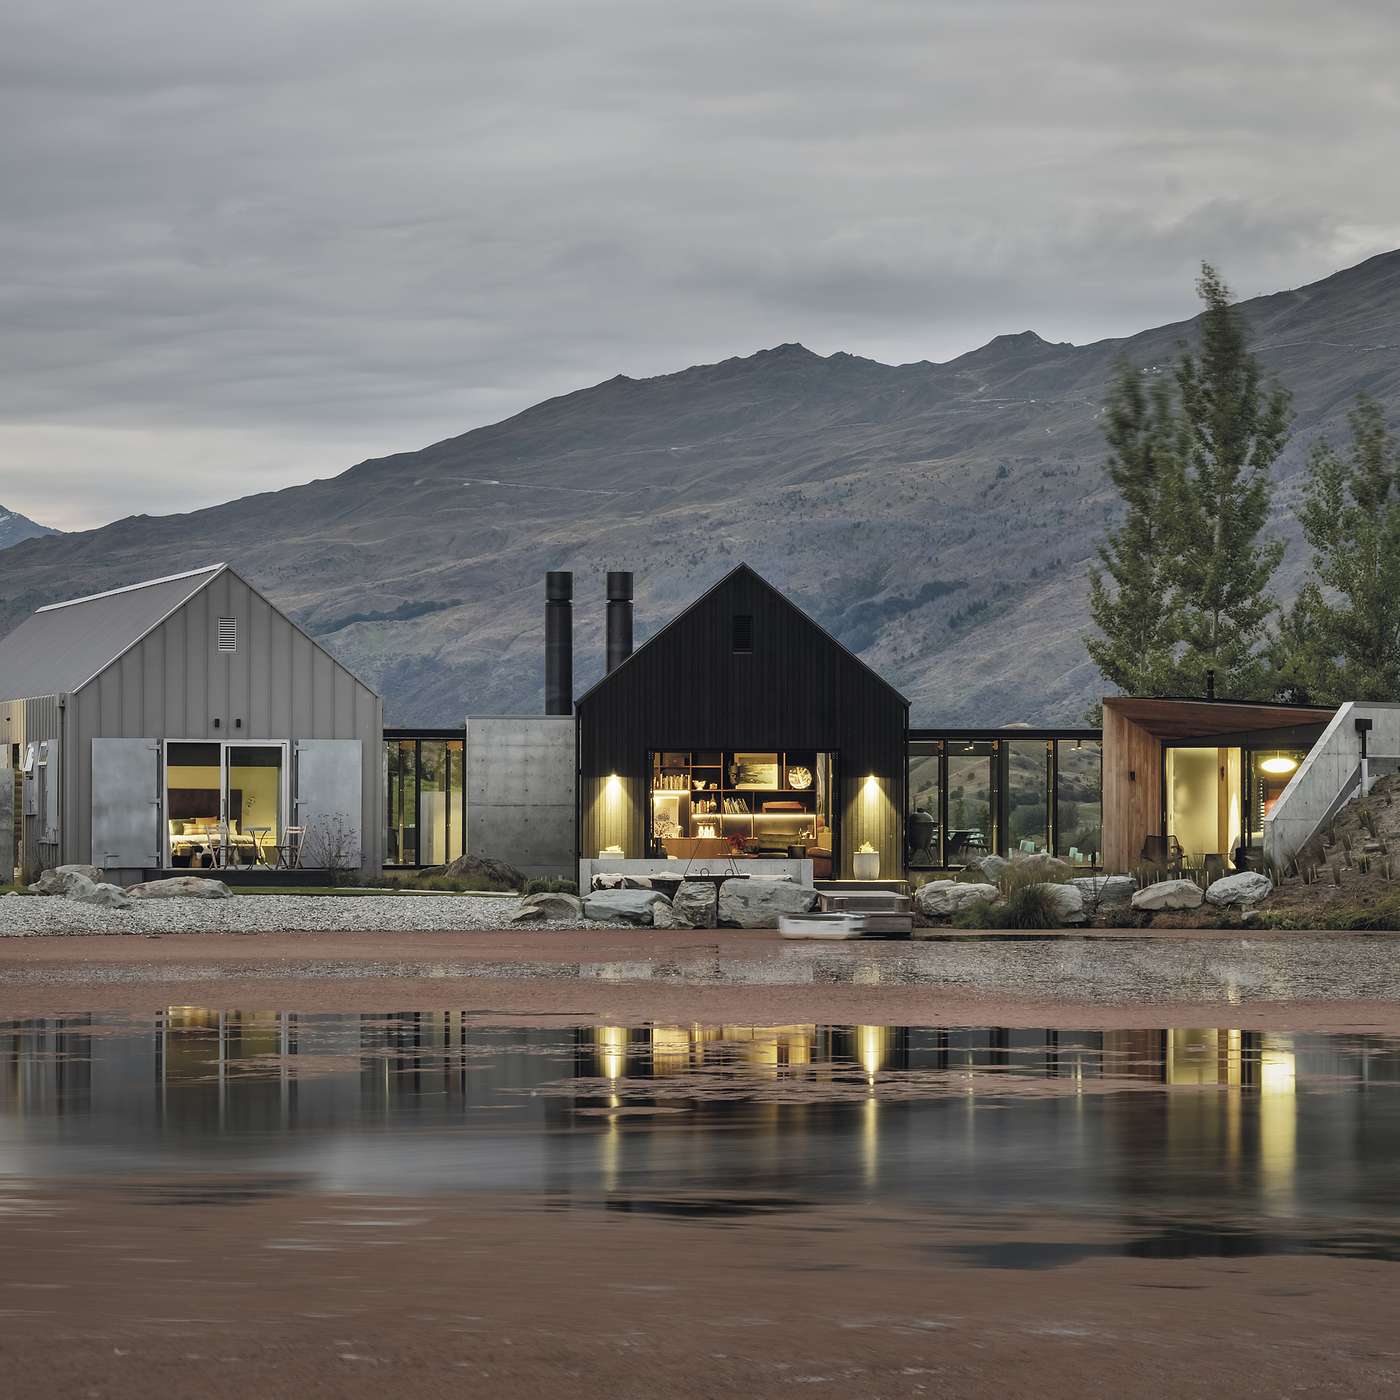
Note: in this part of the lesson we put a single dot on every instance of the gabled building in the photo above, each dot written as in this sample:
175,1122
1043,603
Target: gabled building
183,723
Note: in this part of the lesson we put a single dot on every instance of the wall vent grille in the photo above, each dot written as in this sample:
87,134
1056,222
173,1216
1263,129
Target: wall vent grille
227,634
743,632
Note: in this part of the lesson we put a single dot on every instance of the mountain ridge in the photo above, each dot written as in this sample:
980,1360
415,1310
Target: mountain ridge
15,528
936,516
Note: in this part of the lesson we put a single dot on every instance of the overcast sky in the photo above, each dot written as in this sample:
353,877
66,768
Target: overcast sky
248,245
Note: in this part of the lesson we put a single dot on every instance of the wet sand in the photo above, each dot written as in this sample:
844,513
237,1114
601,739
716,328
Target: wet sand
164,1287
369,972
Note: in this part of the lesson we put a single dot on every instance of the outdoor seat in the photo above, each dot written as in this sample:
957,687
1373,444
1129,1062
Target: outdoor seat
1163,851
289,849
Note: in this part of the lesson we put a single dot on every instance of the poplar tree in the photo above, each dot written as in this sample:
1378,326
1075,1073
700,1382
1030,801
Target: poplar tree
1128,596
1231,429
1345,641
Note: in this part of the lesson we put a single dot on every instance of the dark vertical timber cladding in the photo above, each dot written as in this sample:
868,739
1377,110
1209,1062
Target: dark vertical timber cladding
687,688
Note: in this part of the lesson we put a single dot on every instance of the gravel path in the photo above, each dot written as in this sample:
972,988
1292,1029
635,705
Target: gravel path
22,916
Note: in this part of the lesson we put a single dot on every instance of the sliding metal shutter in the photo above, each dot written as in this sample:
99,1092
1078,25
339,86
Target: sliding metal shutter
329,783
126,804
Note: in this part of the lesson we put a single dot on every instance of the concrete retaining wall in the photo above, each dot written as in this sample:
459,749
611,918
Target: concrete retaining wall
1329,776
520,791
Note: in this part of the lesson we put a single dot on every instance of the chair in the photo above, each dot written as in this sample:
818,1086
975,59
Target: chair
1163,851
289,849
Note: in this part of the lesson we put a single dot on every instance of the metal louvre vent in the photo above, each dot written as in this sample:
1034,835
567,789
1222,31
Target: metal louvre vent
742,632
227,634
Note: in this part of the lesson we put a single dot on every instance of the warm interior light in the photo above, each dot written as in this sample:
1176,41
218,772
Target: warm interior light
1280,763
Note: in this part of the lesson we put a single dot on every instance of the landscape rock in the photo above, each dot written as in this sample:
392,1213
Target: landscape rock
79,888
623,906
1066,900
1103,891
1169,894
757,903
1039,863
994,867
549,904
492,873
614,880
696,904
56,880
941,899
180,887
1248,887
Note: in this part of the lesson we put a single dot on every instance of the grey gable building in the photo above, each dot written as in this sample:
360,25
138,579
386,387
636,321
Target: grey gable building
181,723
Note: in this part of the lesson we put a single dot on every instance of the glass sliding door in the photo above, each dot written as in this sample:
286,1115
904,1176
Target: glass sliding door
425,800
254,780
401,827
1028,795
972,801
193,805
924,825
1079,801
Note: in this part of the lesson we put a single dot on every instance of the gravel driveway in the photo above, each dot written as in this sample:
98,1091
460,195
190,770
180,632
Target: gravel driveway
24,915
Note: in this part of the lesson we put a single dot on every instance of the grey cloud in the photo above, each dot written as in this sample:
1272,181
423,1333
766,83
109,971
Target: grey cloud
319,227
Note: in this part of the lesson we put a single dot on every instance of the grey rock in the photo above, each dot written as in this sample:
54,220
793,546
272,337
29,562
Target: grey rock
1041,864
941,899
1066,900
84,891
1169,894
1103,891
623,906
56,880
696,904
994,867
551,904
1248,887
180,887
492,874
758,903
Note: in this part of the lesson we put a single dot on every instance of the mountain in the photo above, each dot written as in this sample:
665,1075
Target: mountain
937,517
15,527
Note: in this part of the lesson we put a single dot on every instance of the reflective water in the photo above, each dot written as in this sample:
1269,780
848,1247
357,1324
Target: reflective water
1190,1141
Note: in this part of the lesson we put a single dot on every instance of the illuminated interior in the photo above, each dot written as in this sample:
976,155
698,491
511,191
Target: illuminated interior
708,803
1217,798
223,803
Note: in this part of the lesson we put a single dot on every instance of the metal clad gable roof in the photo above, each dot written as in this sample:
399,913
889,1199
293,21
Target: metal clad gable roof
61,647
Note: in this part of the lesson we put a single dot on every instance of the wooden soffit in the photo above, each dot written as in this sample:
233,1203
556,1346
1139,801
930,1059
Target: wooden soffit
1197,719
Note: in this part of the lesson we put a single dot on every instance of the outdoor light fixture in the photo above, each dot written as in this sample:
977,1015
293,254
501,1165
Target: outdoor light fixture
1279,763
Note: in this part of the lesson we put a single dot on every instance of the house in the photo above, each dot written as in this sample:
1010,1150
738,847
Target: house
185,723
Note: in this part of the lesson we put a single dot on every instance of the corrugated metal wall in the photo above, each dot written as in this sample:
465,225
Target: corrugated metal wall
175,683
24,722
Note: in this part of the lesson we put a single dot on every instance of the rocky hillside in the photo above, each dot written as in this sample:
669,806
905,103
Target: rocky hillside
937,517
15,527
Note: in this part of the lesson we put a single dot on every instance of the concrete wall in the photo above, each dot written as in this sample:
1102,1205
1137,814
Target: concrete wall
7,818
520,791
1329,775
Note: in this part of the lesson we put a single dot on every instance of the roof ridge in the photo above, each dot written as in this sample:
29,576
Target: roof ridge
132,587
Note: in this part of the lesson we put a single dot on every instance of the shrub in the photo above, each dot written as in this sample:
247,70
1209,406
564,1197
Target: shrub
1029,906
981,913
551,886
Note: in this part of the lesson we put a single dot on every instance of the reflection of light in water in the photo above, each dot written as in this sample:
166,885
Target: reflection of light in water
670,1049
870,1048
1278,1120
612,1049
870,1140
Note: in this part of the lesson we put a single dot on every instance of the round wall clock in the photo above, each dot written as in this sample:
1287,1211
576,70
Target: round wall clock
800,778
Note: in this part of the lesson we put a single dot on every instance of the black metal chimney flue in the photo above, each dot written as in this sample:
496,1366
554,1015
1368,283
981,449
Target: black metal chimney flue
1210,685
559,642
619,617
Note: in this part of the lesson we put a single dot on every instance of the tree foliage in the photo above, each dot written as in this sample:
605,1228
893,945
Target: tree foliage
1184,587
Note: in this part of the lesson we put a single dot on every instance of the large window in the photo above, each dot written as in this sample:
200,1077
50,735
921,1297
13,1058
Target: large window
224,803
972,801
425,810
924,827
710,803
1079,800
1028,794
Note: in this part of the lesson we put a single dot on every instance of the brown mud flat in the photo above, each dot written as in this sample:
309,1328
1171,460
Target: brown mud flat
345,973
221,1287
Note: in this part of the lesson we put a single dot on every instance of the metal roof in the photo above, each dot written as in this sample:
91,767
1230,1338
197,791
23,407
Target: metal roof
64,645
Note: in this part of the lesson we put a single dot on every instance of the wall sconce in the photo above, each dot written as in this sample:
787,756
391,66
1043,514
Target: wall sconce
1132,775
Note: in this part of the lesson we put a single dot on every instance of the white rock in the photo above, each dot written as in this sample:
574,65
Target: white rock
1040,863
1248,887
1169,894
941,899
623,906
993,867
180,887
549,904
1101,891
758,903
1066,900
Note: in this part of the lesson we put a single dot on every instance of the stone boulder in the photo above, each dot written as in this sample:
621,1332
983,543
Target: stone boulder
623,906
548,905
757,903
56,880
1066,901
1248,887
1169,894
79,887
696,904
1040,864
941,899
613,880
180,887
994,867
1105,891
492,874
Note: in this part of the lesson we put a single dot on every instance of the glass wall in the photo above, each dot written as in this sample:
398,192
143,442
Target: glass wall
224,803
425,800
1270,771
1003,792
